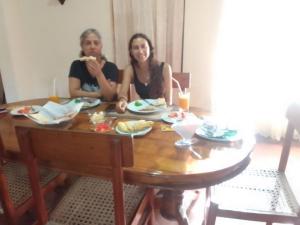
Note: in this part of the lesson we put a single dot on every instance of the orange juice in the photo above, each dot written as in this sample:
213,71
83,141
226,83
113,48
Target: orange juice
184,101
54,98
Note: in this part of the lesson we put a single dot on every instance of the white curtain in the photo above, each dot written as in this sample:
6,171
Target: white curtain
160,20
257,63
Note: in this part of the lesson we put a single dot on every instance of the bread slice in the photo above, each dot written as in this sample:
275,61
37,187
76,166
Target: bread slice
87,58
159,102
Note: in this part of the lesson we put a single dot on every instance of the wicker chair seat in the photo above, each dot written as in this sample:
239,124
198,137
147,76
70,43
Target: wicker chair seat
263,191
90,201
18,182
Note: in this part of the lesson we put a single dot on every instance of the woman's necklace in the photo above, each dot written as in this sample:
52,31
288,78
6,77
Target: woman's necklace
144,77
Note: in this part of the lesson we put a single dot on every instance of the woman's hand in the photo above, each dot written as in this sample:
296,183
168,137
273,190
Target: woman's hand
94,67
121,106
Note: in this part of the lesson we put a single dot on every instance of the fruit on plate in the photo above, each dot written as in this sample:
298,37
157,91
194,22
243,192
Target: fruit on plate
102,127
134,126
25,110
97,117
137,103
177,115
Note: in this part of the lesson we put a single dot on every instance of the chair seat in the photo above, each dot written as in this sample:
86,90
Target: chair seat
90,201
263,191
18,182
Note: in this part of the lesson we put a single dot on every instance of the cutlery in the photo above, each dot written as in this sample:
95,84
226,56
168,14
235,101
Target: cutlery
196,154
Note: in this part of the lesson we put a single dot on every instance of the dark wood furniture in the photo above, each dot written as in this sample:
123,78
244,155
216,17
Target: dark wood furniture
15,191
260,194
183,78
89,154
157,162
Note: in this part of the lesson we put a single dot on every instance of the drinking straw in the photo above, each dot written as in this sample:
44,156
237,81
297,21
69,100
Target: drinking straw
54,86
178,85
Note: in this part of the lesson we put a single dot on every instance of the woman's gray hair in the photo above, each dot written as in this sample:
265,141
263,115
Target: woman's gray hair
84,35
87,32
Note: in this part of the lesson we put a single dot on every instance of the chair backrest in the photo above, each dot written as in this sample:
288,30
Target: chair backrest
293,116
79,152
184,79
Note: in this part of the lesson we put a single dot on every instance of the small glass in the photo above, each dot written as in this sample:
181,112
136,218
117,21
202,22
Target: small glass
184,101
53,92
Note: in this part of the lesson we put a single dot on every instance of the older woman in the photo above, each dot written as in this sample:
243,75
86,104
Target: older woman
151,78
93,75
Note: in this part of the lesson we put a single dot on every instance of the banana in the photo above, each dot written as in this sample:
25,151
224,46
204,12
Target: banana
129,126
142,124
122,127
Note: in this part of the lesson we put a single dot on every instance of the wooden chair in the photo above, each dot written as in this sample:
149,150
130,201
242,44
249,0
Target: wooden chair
15,196
184,79
259,194
89,200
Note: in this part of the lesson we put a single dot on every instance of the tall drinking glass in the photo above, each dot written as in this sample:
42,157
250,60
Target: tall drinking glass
184,101
53,92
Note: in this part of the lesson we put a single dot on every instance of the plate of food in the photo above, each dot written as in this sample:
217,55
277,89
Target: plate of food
134,127
88,102
173,116
218,134
146,106
23,110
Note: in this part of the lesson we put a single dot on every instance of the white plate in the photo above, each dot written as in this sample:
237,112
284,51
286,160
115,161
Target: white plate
89,102
138,106
138,133
17,111
165,117
234,138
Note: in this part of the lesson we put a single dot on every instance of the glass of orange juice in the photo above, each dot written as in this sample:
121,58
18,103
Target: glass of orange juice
184,100
54,98
53,92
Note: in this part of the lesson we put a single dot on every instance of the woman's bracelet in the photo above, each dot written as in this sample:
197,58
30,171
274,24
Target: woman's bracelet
122,97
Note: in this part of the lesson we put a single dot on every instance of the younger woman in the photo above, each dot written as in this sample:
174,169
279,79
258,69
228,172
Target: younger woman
151,78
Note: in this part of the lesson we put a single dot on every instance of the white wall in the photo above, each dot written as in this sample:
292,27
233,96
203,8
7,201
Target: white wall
39,40
201,25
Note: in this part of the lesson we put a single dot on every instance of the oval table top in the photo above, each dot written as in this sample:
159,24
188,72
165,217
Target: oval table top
157,162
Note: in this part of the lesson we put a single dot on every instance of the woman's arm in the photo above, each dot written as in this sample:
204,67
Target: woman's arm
75,89
108,88
122,97
168,90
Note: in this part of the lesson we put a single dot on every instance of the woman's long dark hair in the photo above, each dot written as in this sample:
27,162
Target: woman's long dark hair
156,76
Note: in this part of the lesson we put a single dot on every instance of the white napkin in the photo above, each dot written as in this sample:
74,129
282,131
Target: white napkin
54,113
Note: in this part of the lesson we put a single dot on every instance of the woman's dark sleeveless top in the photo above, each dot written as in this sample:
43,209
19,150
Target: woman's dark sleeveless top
142,89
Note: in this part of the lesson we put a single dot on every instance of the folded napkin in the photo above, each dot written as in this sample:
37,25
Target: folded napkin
214,130
54,113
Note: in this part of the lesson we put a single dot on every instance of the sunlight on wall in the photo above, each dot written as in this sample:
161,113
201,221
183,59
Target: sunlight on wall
256,62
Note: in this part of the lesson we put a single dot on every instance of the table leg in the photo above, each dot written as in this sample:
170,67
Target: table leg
171,206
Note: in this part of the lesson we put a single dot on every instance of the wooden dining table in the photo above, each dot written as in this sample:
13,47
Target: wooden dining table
157,162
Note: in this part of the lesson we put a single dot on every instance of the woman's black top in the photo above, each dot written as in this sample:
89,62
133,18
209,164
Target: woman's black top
142,89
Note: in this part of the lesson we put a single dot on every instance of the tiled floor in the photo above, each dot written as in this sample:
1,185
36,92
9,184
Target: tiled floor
266,155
